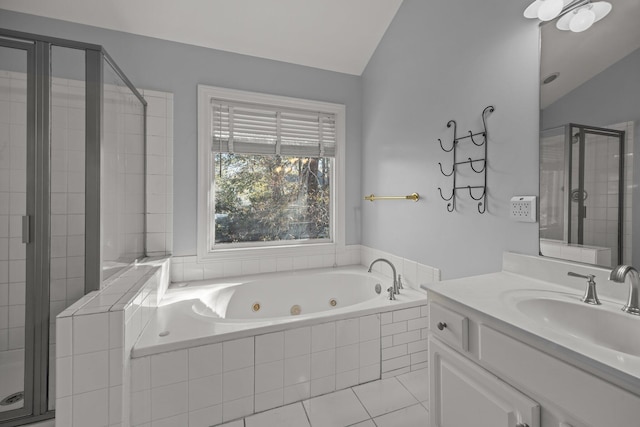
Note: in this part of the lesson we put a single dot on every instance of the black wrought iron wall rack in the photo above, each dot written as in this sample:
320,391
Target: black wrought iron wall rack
478,165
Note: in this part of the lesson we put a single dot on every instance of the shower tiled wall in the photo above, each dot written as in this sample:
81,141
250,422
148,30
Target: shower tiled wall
159,172
13,138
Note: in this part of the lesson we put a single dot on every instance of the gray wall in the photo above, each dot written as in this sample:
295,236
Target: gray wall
613,96
174,67
442,60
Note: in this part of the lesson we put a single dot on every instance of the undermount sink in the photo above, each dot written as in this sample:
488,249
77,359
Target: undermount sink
604,325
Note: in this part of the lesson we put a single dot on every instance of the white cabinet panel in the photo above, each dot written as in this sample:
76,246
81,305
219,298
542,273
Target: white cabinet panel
588,398
464,394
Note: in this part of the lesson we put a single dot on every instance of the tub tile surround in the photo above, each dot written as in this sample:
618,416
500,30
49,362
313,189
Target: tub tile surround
233,379
95,336
100,384
187,268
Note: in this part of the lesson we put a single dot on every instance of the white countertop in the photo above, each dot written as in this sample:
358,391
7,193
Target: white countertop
493,295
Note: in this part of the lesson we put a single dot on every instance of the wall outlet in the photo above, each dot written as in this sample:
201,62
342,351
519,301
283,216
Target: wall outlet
523,208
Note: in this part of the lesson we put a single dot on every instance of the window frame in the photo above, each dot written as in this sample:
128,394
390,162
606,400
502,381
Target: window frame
205,250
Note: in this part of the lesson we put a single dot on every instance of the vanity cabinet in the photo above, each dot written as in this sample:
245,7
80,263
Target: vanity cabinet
463,394
486,373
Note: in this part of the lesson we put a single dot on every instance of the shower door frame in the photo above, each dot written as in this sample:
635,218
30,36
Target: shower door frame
30,249
37,310
583,130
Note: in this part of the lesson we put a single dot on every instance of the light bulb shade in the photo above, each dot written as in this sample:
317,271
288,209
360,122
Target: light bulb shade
549,9
600,10
582,20
531,12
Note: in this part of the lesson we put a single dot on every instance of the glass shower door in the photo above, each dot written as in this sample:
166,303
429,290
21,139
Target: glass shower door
17,123
596,196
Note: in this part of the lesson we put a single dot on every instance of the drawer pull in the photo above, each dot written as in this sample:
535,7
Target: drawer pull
522,425
442,325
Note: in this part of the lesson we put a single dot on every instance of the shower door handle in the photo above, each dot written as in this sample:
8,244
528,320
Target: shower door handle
26,229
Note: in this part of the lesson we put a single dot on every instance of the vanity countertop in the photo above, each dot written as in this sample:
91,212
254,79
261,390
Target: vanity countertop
496,296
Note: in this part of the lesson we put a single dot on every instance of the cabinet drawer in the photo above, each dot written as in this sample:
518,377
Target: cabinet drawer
449,326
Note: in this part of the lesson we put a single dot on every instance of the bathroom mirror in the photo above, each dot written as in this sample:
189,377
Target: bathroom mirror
589,132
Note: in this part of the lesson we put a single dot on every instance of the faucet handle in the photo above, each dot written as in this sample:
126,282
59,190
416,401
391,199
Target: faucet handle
400,282
590,295
392,295
589,277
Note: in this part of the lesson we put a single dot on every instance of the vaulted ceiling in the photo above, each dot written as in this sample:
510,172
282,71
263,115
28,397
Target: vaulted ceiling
336,35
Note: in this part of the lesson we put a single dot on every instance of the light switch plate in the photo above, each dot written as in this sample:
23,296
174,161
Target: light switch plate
523,208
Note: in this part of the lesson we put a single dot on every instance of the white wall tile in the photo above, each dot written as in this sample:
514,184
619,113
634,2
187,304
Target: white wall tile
168,401
297,342
63,377
206,417
269,376
406,314
115,405
297,392
369,352
238,354
323,364
237,408
178,420
89,333
237,384
64,411
269,347
205,360
324,385
369,373
169,368
90,371
140,374
347,358
140,407
297,370
205,392
323,337
91,409
369,327
347,379
116,366
347,332
268,400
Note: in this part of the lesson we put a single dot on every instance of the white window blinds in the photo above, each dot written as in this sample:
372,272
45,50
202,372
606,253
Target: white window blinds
262,129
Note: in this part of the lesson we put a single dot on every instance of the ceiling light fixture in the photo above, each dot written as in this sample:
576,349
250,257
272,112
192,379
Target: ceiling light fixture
575,15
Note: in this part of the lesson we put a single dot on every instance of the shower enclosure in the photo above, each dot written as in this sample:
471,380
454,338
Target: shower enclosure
582,191
72,199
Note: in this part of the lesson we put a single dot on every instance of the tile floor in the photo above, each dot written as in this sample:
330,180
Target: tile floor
393,402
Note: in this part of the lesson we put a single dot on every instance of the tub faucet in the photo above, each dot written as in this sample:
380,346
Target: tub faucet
395,280
619,275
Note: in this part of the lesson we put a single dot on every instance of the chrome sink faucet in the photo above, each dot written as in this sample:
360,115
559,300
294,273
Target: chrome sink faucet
396,291
619,275
590,295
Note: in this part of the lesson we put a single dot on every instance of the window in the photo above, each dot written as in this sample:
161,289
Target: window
270,174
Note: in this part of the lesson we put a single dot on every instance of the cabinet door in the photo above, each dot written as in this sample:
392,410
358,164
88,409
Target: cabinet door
464,394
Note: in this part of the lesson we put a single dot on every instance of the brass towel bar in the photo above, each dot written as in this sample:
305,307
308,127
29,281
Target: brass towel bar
413,196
